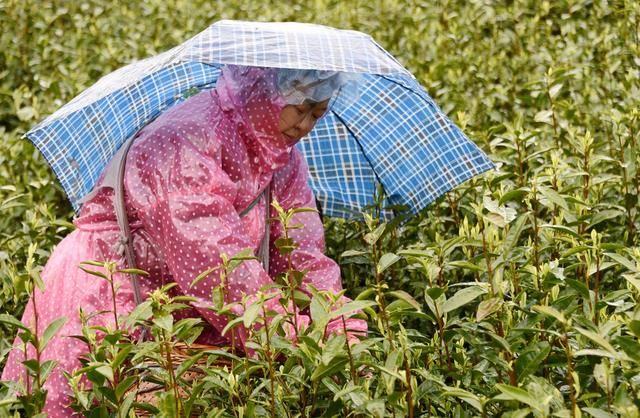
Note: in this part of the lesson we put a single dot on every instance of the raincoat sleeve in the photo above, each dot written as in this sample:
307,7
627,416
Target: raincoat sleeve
183,198
291,190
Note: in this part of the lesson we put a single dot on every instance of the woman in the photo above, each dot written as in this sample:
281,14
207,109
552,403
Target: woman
189,175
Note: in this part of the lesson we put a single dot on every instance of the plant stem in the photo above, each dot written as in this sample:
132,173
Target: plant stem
587,283
440,323
36,340
515,279
519,151
225,296
409,394
113,298
352,367
625,191
314,393
454,209
554,118
380,296
513,376
166,346
585,182
292,287
487,259
536,239
270,363
570,382
26,371
596,289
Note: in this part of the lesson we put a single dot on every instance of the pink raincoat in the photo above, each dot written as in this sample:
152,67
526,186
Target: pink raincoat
188,176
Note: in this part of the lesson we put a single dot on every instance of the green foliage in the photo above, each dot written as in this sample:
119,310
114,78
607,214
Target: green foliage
514,295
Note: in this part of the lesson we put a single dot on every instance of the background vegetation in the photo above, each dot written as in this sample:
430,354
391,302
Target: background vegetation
514,295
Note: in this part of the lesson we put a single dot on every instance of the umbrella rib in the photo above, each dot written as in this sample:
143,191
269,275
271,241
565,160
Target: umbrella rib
361,149
418,93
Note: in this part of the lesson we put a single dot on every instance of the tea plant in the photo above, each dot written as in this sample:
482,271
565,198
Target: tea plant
34,337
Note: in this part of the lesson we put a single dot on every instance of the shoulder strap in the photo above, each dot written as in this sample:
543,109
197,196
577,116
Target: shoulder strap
126,241
263,252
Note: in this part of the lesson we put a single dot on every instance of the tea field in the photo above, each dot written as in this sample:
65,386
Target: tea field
515,295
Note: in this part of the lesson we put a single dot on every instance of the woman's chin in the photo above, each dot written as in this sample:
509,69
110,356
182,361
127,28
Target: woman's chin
291,140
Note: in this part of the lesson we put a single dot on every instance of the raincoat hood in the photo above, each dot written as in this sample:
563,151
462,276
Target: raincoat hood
252,104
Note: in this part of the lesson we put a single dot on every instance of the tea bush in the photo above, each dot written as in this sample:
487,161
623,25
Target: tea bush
514,295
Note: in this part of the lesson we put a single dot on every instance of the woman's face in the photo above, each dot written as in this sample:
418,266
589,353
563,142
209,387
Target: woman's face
297,120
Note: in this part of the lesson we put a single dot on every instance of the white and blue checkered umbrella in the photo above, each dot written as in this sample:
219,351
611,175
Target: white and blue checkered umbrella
393,135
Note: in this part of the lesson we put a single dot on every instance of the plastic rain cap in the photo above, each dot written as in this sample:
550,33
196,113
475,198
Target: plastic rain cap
301,86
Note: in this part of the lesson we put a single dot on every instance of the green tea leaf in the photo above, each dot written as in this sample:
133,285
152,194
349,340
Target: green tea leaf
554,197
137,272
372,237
632,280
517,394
46,368
351,307
550,311
401,294
562,228
334,347
596,352
488,307
598,413
95,273
555,90
544,116
124,386
596,338
285,245
337,365
120,357
51,331
251,314
319,314
386,261
604,215
10,320
353,253
466,265
232,324
531,358
435,292
623,261
105,370
164,321
462,298
466,396
634,326
630,347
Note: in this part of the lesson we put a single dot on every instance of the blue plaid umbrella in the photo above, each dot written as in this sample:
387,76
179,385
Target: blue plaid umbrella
393,135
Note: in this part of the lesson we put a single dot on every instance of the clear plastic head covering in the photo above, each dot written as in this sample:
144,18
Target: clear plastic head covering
253,99
303,86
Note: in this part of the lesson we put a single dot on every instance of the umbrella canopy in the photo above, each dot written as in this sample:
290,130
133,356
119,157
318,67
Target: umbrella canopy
393,134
